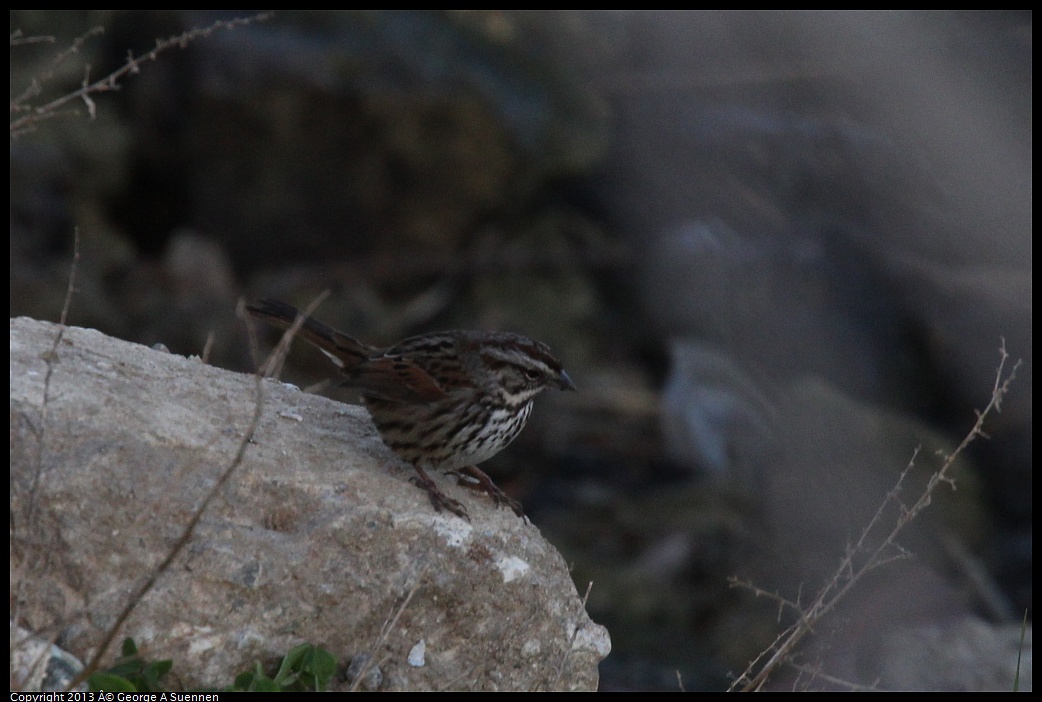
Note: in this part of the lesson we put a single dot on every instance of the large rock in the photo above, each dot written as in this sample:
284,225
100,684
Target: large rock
317,537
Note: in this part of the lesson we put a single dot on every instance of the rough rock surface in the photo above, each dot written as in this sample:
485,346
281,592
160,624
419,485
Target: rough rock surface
317,537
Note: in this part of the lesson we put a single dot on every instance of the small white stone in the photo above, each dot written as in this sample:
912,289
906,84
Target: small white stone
512,568
417,655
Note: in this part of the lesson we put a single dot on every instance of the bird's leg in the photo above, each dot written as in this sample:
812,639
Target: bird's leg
438,498
479,481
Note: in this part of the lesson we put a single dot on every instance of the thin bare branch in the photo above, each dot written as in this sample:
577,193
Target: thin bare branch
18,40
36,85
111,81
848,573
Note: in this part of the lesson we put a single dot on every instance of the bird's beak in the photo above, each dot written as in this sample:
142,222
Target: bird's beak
565,383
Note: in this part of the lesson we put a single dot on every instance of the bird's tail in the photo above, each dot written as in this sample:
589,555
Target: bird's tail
345,351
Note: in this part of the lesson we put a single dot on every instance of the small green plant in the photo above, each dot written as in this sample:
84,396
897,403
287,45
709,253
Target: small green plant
131,673
305,668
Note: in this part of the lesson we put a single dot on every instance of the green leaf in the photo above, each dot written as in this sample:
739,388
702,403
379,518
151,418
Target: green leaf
110,683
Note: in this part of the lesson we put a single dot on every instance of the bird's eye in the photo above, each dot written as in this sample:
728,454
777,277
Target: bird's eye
532,373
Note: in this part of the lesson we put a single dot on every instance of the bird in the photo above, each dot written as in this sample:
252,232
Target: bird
440,401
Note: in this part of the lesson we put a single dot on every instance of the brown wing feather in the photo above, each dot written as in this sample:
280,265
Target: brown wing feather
394,378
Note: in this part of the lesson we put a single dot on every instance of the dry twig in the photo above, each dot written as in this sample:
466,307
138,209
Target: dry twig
850,572
29,115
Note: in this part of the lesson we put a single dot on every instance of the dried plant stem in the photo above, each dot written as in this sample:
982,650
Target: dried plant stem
50,358
182,541
31,115
849,572
385,633
571,641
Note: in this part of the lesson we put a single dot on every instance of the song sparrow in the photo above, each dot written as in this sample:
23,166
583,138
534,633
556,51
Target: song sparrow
447,400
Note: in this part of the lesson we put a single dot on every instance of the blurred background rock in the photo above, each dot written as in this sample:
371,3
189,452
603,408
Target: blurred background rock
776,250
